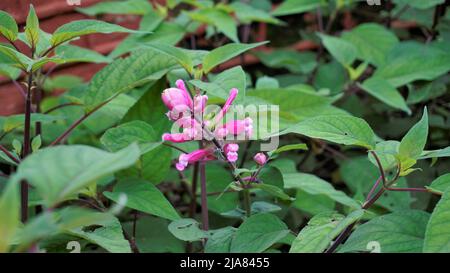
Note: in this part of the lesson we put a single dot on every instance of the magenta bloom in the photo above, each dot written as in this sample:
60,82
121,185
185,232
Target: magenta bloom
177,100
195,156
233,93
235,127
231,151
260,158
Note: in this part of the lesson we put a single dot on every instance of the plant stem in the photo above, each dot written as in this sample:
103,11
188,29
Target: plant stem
8,154
193,205
76,123
247,203
204,199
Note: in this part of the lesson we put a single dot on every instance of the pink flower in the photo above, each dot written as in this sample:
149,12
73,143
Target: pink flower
233,93
260,158
200,103
195,156
191,130
177,100
231,151
176,138
236,127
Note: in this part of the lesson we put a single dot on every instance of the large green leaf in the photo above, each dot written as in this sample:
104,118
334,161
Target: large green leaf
289,7
411,61
385,92
340,129
14,58
59,173
75,29
124,74
321,230
221,84
9,215
70,53
436,235
143,196
372,41
317,186
218,18
182,57
219,241
258,233
136,7
8,26
224,53
123,135
399,232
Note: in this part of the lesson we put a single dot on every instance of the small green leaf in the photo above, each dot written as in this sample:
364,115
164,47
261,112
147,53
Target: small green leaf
181,56
8,26
316,186
258,233
414,141
440,184
321,230
273,190
343,51
36,143
224,53
32,28
289,7
290,147
385,92
17,145
187,230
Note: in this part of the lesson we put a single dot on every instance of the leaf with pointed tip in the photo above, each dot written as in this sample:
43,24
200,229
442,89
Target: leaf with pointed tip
436,235
8,26
385,92
32,28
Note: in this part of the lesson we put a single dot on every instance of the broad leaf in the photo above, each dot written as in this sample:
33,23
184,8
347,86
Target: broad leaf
136,7
32,28
385,92
436,235
71,53
187,230
414,141
321,230
224,53
440,184
398,232
9,215
59,173
8,26
343,51
258,233
143,196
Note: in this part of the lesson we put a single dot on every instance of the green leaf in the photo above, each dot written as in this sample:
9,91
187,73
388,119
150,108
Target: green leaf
17,121
218,18
217,180
123,135
436,235
125,74
9,213
385,92
135,7
414,141
294,61
70,54
219,241
8,26
398,232
321,230
419,4
224,53
221,84
178,54
317,186
313,203
187,230
32,28
75,29
13,58
440,184
109,236
258,233
36,143
445,152
411,61
372,41
290,147
248,14
56,178
289,7
343,51
273,190
143,196
340,129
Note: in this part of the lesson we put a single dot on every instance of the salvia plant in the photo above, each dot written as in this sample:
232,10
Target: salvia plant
339,146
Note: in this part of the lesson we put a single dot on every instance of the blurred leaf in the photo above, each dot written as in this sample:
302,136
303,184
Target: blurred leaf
342,50
10,215
248,14
136,7
289,7
187,230
219,19
385,92
8,26
71,54
436,234
440,184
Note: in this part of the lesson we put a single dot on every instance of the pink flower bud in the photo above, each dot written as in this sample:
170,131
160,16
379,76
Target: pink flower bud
177,100
231,151
176,138
200,103
195,156
233,93
260,158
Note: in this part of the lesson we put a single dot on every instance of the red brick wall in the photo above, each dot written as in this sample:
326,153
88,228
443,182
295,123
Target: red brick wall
52,14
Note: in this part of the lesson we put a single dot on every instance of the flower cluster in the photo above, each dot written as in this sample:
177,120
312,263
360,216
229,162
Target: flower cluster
187,113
